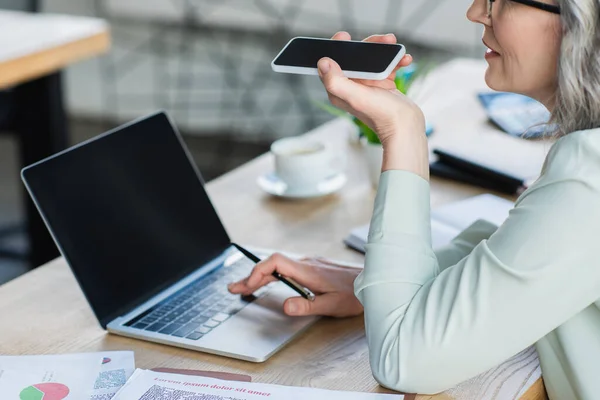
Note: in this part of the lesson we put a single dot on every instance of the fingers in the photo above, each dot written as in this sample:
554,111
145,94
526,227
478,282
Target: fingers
262,274
244,289
389,38
336,84
334,304
406,61
342,36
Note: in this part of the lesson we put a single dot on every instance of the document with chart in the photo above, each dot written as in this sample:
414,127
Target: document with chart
149,385
48,377
94,376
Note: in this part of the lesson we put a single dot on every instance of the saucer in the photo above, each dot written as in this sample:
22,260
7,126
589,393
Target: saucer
271,184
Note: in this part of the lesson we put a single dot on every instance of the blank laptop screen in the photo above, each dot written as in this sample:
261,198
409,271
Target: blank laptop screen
129,212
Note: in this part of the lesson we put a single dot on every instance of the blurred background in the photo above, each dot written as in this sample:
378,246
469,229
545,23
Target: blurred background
207,62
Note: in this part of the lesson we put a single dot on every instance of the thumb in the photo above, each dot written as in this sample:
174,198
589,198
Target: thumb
329,69
335,81
326,305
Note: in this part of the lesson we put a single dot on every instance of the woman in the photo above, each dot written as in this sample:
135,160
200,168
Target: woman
435,319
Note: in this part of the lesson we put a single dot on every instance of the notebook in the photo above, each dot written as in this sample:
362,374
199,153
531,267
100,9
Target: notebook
448,220
451,166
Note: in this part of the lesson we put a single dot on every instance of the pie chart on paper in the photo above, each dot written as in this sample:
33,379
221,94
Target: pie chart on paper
44,391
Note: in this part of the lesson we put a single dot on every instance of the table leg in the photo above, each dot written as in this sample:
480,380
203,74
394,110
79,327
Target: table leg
41,127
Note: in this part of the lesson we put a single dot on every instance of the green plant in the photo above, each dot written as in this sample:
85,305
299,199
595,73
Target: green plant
405,78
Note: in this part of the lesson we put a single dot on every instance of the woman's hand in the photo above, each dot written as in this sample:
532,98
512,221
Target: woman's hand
333,284
377,103
397,120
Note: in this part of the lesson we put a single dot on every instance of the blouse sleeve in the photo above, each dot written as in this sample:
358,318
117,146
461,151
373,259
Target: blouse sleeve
431,326
463,244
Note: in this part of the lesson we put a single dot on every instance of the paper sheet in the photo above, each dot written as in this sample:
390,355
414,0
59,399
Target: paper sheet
117,367
461,214
149,385
48,377
94,376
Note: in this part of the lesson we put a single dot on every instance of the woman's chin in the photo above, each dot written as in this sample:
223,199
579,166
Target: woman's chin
494,82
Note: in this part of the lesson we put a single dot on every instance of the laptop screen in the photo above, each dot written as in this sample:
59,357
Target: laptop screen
129,212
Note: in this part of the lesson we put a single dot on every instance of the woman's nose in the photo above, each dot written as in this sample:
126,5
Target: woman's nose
478,12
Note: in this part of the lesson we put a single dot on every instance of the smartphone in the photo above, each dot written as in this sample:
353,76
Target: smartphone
358,60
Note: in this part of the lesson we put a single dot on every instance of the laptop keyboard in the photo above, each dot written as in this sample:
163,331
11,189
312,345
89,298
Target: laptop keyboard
201,306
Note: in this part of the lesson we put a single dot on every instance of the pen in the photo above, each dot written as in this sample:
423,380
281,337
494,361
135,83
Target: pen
301,290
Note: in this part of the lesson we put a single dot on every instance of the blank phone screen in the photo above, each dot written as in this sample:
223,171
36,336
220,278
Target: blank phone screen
351,56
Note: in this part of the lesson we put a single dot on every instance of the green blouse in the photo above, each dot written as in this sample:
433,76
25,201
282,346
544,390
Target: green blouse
436,319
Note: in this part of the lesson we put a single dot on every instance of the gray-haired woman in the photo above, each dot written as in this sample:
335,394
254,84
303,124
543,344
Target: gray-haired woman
435,319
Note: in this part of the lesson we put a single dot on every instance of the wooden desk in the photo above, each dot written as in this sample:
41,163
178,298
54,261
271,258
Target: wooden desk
33,50
44,311
35,45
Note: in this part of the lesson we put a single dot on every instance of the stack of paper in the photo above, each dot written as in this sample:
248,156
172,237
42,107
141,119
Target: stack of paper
146,385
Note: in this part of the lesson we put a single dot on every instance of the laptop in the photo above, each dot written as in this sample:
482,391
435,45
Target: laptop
129,212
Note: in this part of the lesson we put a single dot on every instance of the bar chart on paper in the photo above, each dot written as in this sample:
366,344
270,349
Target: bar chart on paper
45,391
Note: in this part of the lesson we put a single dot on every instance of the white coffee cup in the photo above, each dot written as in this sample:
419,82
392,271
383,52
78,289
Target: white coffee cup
303,163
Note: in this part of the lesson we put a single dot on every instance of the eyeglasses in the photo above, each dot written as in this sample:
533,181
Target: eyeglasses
532,3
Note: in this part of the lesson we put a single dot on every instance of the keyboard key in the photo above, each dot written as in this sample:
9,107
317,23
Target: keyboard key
140,325
221,317
168,318
208,313
212,323
193,313
200,319
171,328
156,327
195,336
184,319
204,330
205,303
149,319
196,298
186,329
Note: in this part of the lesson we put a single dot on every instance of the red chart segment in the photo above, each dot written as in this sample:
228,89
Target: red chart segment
45,391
